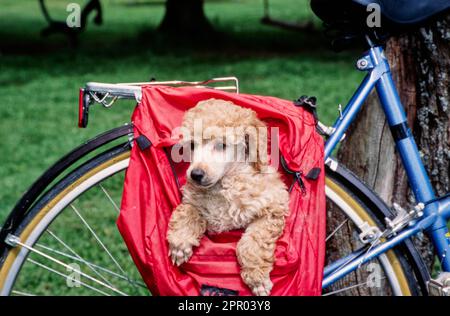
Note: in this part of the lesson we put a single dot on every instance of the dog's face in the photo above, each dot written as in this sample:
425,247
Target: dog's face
220,136
212,159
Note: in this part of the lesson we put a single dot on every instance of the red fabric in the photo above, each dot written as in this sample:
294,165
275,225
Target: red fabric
151,193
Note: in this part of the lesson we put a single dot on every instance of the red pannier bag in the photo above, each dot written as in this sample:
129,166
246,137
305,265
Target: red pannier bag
152,192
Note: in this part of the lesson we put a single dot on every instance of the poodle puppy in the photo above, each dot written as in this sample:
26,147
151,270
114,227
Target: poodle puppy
230,185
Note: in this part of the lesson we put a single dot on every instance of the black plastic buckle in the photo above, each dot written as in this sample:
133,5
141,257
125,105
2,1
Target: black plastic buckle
143,142
309,104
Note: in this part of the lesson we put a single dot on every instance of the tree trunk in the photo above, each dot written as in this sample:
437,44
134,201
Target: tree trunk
185,18
420,64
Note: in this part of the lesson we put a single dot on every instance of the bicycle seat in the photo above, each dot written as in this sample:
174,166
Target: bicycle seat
400,12
348,18
408,11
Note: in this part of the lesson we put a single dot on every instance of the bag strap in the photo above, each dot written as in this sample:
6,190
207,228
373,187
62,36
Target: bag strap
309,104
313,174
296,174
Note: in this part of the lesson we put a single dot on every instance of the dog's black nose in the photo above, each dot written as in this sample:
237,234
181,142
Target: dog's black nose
197,175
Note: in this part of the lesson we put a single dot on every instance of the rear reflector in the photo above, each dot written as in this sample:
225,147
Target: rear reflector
83,109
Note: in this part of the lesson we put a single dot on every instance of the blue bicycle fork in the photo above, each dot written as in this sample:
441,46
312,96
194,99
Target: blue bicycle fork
436,212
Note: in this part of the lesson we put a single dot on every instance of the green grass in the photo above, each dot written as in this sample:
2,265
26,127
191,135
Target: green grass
40,77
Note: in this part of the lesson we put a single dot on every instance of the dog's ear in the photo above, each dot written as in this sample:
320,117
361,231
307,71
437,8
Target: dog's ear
256,144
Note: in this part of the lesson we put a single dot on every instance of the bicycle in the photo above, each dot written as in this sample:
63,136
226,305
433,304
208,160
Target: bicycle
94,171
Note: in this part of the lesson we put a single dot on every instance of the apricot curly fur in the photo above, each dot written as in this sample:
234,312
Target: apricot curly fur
249,195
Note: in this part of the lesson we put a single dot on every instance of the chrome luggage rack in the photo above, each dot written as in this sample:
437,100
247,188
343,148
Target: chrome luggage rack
107,94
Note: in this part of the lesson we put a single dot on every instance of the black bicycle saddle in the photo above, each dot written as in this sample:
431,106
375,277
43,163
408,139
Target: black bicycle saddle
401,12
408,11
346,20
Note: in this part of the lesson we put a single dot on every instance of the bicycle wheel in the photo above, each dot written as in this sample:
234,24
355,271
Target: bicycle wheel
67,244
350,210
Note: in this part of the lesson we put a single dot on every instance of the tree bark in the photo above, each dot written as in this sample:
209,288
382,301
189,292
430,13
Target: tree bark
185,18
420,63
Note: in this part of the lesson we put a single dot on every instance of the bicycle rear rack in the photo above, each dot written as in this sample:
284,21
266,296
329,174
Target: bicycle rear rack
107,94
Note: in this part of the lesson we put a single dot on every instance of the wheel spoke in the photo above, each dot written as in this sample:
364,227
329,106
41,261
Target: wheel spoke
21,293
93,265
349,288
98,239
337,229
43,266
75,254
69,267
110,198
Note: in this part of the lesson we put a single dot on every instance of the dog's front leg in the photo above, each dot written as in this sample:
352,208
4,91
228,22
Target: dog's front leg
186,228
255,252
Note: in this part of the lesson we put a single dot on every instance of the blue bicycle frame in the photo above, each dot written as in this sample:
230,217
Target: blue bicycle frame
436,212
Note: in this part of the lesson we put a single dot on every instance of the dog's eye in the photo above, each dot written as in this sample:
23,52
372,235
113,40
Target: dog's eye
220,146
192,145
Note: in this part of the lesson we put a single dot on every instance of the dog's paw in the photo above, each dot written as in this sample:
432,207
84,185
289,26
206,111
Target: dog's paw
262,288
180,254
